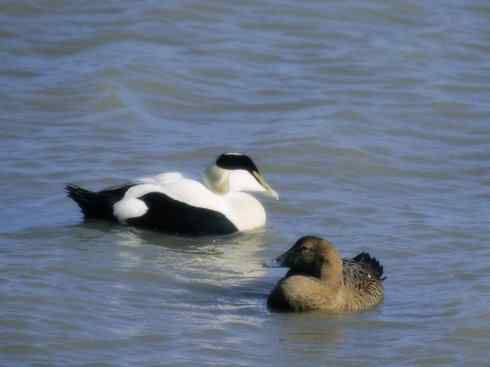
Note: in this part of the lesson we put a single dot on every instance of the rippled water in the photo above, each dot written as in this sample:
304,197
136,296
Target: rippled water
370,118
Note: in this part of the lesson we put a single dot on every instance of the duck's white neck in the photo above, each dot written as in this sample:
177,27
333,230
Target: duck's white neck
245,211
217,179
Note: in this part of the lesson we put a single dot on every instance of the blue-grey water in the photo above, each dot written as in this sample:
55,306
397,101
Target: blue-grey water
370,118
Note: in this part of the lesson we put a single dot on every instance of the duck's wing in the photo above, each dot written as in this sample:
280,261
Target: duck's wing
185,191
362,270
183,206
161,179
363,282
162,212
195,194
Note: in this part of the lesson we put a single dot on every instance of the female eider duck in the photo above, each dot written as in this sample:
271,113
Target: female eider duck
320,280
174,204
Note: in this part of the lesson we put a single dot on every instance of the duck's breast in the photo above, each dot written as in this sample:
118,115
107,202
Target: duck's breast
300,293
245,211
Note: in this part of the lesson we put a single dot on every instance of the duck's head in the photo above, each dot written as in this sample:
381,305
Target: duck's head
313,256
236,172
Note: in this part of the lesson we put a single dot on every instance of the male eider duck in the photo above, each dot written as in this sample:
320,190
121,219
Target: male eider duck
320,280
174,204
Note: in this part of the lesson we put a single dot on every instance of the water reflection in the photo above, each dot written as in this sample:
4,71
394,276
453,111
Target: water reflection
233,255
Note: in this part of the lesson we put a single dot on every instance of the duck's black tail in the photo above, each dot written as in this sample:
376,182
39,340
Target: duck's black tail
97,204
372,263
89,202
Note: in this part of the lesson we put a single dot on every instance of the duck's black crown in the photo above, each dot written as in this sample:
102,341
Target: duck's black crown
236,161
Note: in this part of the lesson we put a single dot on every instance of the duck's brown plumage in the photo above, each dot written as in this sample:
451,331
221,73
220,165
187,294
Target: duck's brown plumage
319,279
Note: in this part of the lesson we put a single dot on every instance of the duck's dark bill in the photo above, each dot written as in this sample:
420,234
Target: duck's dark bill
268,189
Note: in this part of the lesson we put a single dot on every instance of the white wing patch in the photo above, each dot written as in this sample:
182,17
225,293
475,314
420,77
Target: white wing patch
129,208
